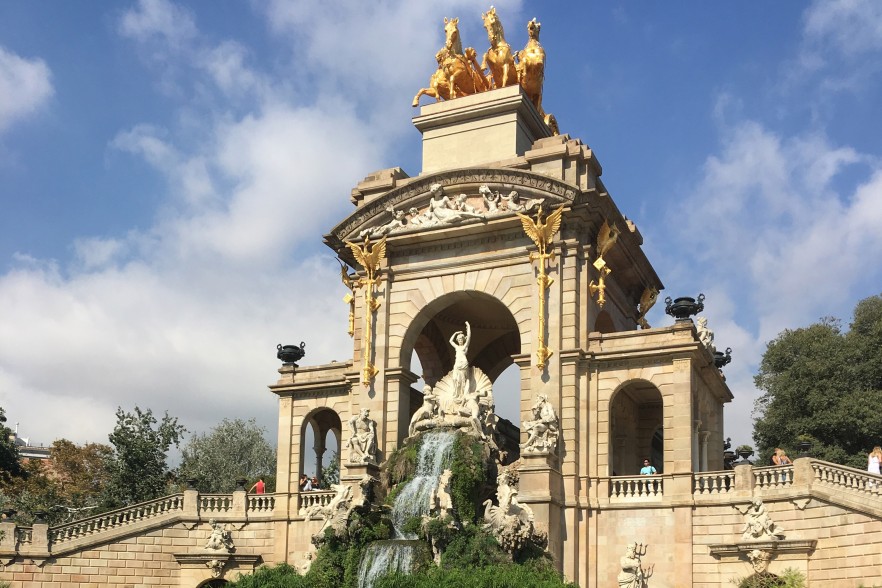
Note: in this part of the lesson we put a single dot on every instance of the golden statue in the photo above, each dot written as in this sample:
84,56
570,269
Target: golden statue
351,282
458,72
369,258
542,234
606,238
647,301
531,66
499,58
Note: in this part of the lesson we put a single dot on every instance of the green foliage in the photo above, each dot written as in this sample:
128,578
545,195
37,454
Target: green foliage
138,468
468,468
331,474
231,450
279,576
10,467
826,384
502,575
789,578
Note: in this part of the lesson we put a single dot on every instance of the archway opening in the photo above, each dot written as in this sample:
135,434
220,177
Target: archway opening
604,323
319,442
496,338
636,429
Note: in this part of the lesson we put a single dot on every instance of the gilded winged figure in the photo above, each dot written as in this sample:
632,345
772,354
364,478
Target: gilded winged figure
542,233
369,256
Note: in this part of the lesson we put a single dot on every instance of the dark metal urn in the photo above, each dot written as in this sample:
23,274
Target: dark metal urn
291,353
240,484
684,307
8,514
804,447
40,517
721,359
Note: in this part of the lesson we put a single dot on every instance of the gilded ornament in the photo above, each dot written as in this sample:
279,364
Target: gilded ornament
542,233
368,257
351,282
606,238
647,301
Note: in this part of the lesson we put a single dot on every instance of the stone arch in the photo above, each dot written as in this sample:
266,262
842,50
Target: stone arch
604,323
213,583
322,421
636,413
496,335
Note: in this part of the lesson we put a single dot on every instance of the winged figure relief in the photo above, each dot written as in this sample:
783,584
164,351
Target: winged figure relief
542,232
369,256
647,301
606,238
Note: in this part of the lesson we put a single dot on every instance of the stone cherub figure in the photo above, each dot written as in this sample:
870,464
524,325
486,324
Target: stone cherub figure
220,538
363,440
759,525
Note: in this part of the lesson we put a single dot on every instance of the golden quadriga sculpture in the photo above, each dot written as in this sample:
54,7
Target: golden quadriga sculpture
459,73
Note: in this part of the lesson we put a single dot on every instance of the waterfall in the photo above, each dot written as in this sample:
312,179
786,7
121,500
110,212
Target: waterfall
386,557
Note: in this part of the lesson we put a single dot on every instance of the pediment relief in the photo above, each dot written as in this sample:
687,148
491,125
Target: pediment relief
451,198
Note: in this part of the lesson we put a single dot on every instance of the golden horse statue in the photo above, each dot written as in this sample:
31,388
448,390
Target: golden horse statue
458,72
531,66
499,58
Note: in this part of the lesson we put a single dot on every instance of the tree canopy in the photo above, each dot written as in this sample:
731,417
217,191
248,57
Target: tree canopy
233,449
138,468
825,385
9,464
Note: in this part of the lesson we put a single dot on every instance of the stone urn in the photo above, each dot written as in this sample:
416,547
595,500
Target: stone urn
744,454
240,484
721,359
191,483
684,307
40,517
804,447
291,353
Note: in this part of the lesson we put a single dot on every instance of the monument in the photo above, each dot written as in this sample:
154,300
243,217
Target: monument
505,249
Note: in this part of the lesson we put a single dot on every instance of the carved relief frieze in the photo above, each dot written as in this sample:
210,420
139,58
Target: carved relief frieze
503,180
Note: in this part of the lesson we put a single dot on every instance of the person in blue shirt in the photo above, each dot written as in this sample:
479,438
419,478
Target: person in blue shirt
647,469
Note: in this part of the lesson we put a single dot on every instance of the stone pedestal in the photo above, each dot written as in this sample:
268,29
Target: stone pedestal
482,128
355,472
541,487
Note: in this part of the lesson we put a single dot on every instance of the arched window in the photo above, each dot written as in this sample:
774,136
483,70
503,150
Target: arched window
636,428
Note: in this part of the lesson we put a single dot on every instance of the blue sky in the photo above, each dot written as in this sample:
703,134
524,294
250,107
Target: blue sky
167,171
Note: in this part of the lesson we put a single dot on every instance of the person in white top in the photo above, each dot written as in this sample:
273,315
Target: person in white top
874,460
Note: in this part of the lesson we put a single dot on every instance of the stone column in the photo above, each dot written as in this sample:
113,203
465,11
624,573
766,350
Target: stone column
319,453
704,436
696,427
541,486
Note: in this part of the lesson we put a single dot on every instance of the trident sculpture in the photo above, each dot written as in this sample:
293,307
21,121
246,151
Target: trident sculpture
542,234
606,238
369,258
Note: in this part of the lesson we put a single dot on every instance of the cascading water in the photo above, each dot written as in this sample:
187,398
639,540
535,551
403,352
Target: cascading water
385,557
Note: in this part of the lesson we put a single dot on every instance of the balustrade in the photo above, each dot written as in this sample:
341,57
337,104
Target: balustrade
706,483
773,477
307,500
215,503
636,488
258,503
116,518
848,479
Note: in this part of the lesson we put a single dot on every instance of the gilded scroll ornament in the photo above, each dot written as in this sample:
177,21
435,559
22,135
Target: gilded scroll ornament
606,238
542,233
368,257
647,301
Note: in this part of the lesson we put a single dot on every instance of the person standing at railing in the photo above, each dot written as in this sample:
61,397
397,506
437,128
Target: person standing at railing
259,487
874,460
779,458
648,469
304,480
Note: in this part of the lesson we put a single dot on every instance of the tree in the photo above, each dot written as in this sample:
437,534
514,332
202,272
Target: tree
10,466
233,449
138,469
331,474
826,384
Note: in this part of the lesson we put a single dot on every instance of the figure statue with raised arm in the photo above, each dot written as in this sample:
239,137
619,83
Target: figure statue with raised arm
460,342
543,429
363,441
705,335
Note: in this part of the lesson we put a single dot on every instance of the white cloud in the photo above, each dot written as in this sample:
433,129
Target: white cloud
790,223
158,19
850,27
25,87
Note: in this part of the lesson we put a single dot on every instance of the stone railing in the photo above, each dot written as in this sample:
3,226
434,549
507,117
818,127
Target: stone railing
636,488
773,477
847,479
305,500
24,535
215,503
261,503
711,483
116,518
